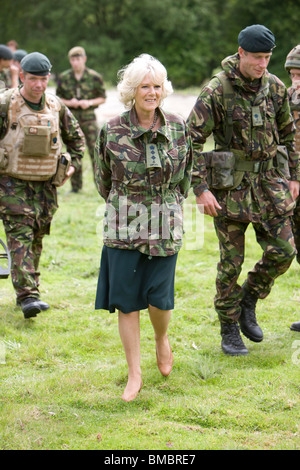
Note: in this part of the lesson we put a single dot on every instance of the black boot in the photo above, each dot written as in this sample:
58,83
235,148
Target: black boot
295,326
30,307
232,342
247,320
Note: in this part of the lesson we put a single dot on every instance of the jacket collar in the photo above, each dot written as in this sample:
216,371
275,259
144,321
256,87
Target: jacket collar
137,131
231,66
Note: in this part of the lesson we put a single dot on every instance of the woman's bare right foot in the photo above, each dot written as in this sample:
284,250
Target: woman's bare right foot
132,389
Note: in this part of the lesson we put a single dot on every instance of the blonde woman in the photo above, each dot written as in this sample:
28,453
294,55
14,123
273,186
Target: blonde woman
143,162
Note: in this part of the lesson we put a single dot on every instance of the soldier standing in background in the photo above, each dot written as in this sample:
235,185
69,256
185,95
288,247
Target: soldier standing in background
292,65
18,55
13,45
9,73
33,127
82,90
248,112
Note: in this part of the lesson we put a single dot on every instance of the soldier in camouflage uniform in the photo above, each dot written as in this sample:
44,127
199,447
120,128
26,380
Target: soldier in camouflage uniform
9,73
28,178
82,90
241,183
143,171
292,65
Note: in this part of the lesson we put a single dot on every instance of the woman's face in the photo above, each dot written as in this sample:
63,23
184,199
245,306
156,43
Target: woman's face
148,95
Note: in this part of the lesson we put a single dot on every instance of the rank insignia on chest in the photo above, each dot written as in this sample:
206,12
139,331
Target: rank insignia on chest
152,156
256,116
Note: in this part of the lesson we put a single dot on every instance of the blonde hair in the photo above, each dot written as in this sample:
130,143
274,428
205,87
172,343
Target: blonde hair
131,76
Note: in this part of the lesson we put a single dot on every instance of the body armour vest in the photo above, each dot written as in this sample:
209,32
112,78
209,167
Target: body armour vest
32,144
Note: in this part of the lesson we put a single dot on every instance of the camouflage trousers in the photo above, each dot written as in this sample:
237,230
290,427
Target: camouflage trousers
279,251
90,130
26,209
296,228
25,243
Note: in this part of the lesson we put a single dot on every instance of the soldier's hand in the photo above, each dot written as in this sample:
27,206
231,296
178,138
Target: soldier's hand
73,103
208,204
70,172
294,189
14,72
84,104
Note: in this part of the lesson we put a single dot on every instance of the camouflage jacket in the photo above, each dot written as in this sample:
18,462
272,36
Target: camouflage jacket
144,178
260,195
19,198
5,79
294,98
89,87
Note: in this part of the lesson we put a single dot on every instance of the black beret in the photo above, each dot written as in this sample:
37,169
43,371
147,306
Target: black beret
36,64
256,38
19,54
5,52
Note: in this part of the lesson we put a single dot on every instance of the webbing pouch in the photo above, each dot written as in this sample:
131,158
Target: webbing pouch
36,141
220,169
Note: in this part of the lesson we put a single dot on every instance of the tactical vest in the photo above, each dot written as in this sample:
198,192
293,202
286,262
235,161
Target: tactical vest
32,144
228,101
226,166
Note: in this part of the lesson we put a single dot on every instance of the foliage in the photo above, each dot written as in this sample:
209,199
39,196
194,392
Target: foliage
190,37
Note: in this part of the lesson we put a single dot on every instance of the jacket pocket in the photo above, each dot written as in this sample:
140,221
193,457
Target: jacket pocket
278,193
125,163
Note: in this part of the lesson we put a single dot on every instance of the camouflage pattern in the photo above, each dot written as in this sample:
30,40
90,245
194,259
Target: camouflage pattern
278,248
293,59
143,200
5,79
27,208
294,97
89,87
262,198
32,154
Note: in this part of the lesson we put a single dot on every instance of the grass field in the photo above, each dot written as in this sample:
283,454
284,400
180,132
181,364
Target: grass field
62,373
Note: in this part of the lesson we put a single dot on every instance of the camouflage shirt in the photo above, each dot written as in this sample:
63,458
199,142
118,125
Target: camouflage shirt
5,79
144,178
28,200
260,195
89,87
294,98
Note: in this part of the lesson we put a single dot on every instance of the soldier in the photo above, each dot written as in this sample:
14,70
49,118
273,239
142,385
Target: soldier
13,45
143,171
292,65
18,55
82,90
243,181
9,73
33,127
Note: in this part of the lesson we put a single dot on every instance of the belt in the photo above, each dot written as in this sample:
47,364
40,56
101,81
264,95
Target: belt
254,167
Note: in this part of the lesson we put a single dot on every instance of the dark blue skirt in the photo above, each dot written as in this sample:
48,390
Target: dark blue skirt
130,281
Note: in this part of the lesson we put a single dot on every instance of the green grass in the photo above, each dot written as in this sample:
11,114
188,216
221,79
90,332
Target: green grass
64,371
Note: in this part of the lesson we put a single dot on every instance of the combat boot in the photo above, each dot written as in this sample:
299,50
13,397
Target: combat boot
232,342
247,320
295,326
43,305
30,307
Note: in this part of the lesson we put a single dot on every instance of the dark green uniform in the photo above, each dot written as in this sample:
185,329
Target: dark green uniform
294,96
27,209
262,196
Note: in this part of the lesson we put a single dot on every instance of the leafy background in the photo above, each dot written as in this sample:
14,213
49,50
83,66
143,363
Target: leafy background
190,37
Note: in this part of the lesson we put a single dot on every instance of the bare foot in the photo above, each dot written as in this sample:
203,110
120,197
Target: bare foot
164,356
132,389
